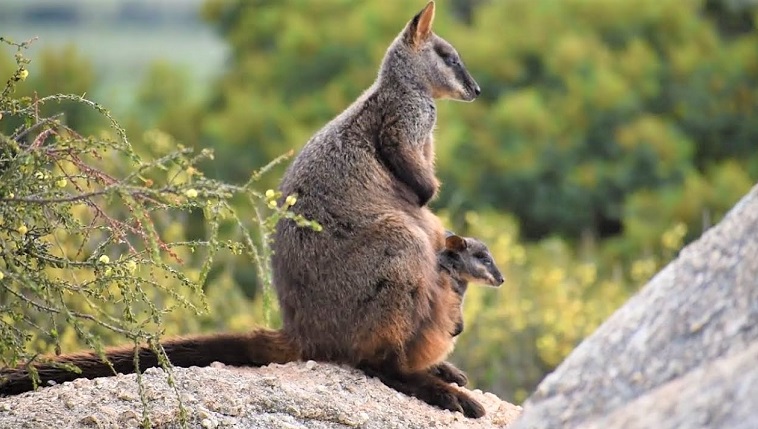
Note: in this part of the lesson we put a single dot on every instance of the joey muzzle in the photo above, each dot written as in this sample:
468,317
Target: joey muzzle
496,279
499,280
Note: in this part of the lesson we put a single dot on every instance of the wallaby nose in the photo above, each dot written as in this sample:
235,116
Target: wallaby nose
477,90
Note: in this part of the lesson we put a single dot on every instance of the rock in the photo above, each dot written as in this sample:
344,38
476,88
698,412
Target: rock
721,394
681,353
296,395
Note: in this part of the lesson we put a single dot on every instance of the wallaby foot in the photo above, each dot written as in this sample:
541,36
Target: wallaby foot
448,373
428,388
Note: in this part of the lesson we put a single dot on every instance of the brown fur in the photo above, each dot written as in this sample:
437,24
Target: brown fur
434,341
259,347
366,290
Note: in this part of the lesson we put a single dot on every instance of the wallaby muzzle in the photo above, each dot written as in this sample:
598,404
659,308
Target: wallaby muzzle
472,88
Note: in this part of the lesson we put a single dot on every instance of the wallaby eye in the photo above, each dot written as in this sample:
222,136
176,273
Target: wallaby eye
451,60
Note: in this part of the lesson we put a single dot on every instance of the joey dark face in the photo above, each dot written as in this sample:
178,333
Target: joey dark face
436,62
481,265
472,260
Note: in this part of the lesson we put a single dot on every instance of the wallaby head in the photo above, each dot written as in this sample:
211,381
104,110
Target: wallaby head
469,259
421,57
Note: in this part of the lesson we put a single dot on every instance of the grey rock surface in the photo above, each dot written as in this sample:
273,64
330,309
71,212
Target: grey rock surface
296,395
661,359
721,394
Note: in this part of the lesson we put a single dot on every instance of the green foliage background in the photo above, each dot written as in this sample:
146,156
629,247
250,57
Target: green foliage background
608,134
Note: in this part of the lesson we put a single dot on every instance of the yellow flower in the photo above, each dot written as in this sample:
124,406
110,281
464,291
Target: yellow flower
272,204
131,266
22,229
61,183
673,238
191,193
270,193
23,74
587,273
104,259
291,200
2,276
643,270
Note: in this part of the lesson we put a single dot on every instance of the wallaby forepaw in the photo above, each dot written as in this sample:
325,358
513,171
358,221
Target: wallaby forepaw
447,401
458,401
471,407
448,373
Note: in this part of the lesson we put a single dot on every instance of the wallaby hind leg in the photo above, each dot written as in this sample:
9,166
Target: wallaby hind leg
428,388
448,373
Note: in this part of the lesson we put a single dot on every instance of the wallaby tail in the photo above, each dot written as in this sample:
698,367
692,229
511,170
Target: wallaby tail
256,348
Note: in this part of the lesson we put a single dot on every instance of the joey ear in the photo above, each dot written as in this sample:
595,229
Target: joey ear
455,243
420,27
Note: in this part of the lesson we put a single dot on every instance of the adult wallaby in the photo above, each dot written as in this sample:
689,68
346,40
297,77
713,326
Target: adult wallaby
365,291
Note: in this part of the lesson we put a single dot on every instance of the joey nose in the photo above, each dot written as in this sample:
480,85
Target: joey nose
499,280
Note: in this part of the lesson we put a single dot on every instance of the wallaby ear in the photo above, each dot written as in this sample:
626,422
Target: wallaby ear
420,27
456,243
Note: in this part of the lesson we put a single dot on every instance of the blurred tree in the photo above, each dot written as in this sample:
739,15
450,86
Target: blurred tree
616,97
56,71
